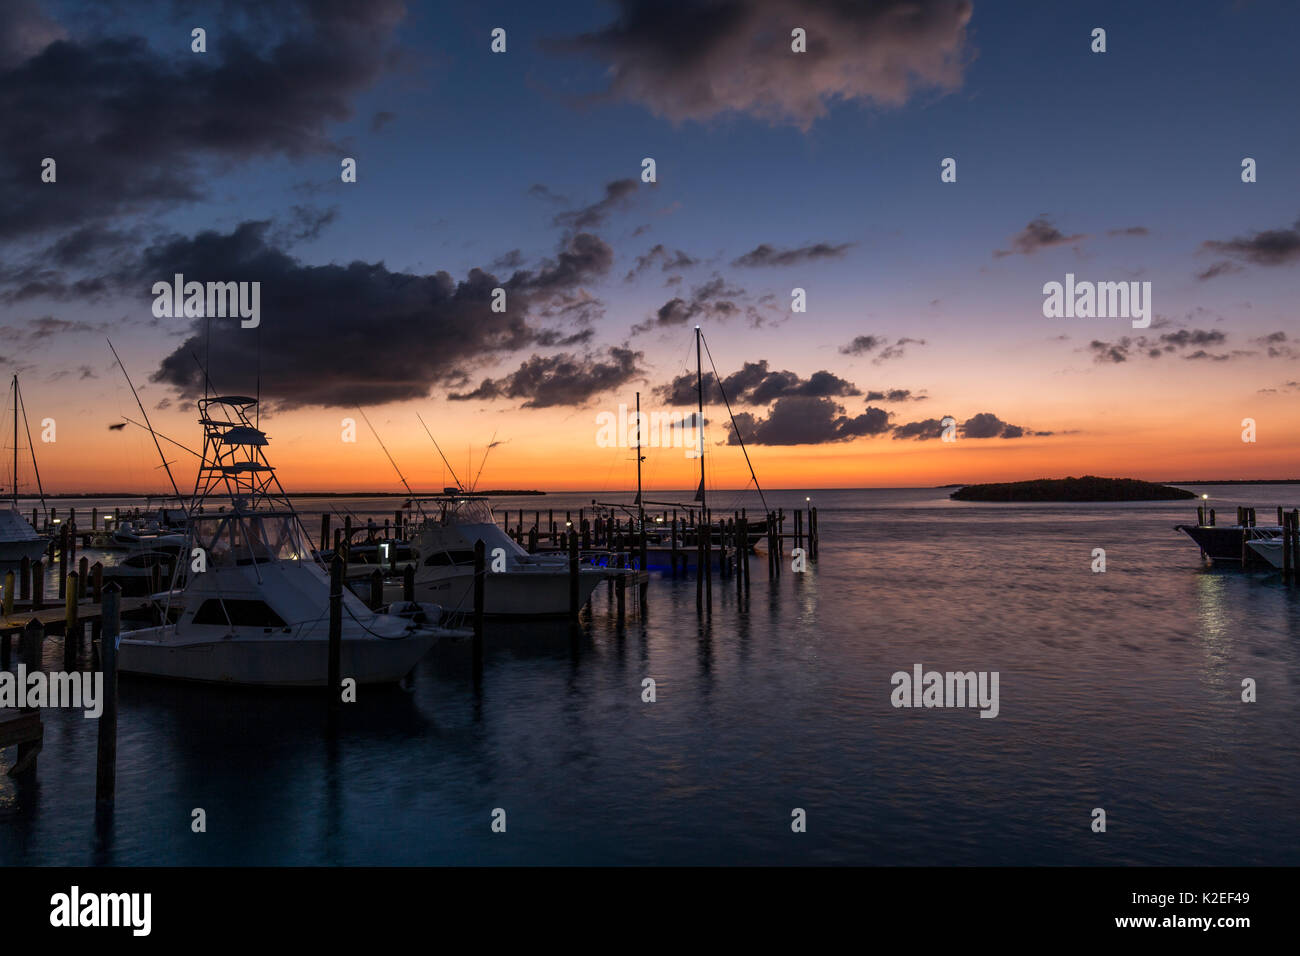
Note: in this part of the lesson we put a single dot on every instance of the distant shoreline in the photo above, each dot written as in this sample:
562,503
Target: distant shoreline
1087,488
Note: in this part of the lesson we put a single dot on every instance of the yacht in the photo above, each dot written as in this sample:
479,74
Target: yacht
529,585
250,601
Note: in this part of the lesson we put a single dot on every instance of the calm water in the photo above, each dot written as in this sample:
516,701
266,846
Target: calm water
1118,690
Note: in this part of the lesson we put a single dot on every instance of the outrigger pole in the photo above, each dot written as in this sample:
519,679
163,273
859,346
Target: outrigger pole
166,466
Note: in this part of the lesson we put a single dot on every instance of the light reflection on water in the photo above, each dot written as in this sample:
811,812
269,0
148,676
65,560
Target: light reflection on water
1119,690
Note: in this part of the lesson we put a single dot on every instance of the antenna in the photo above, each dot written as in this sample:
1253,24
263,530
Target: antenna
146,418
390,457
435,445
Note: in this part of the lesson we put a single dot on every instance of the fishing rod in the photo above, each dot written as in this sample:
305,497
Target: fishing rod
166,439
166,467
400,476
435,445
491,445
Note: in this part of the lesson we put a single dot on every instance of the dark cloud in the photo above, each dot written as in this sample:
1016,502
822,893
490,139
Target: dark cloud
712,300
665,259
757,384
1126,347
895,395
1277,345
895,351
980,426
1273,247
806,420
862,344
1038,234
617,194
356,334
765,255
697,59
865,344
547,381
38,332
133,130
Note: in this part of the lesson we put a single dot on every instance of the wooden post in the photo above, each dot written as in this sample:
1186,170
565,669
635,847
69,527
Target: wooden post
644,571
532,540
71,627
573,574
8,607
816,535
97,582
94,519
106,755
334,677
408,583
83,576
376,589
392,555
38,585
1286,548
63,559
1295,547
30,644
325,531
25,578
480,599
1211,517
397,524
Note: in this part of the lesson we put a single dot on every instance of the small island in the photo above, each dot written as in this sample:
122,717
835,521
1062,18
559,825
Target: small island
1087,488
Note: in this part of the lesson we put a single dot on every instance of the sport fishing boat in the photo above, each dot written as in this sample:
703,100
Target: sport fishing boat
529,585
18,539
250,602
1226,543
1270,549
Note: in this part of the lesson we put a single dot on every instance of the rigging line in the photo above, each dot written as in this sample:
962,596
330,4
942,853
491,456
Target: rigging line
18,399
718,378
435,445
166,439
400,476
146,418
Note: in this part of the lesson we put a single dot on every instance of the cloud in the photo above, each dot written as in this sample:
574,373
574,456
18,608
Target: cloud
862,344
1038,234
865,344
1216,269
895,395
617,194
981,426
1273,247
713,300
661,256
1122,349
547,381
380,120
806,420
355,334
133,130
757,384
38,332
765,255
698,59
1129,231
539,191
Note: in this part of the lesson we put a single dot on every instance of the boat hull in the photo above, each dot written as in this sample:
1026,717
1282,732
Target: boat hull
272,661
508,593
13,552
1223,543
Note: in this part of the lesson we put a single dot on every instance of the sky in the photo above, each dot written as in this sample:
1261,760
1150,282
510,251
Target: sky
774,170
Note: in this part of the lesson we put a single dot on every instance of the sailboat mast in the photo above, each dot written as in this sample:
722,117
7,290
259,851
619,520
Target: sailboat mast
15,441
638,448
699,421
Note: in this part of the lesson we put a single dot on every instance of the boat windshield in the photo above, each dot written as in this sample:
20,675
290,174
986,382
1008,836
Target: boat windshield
468,511
245,538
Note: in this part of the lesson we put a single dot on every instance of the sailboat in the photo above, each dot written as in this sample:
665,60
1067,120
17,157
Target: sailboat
18,539
253,604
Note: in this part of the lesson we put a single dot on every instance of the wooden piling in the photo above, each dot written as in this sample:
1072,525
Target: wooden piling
83,576
71,626
816,534
97,582
8,607
25,578
1295,547
94,519
325,531
106,754
333,678
38,585
573,574
480,600
644,576
408,583
376,589
63,560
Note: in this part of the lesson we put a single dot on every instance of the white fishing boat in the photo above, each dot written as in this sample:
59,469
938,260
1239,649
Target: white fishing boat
517,583
18,539
250,603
